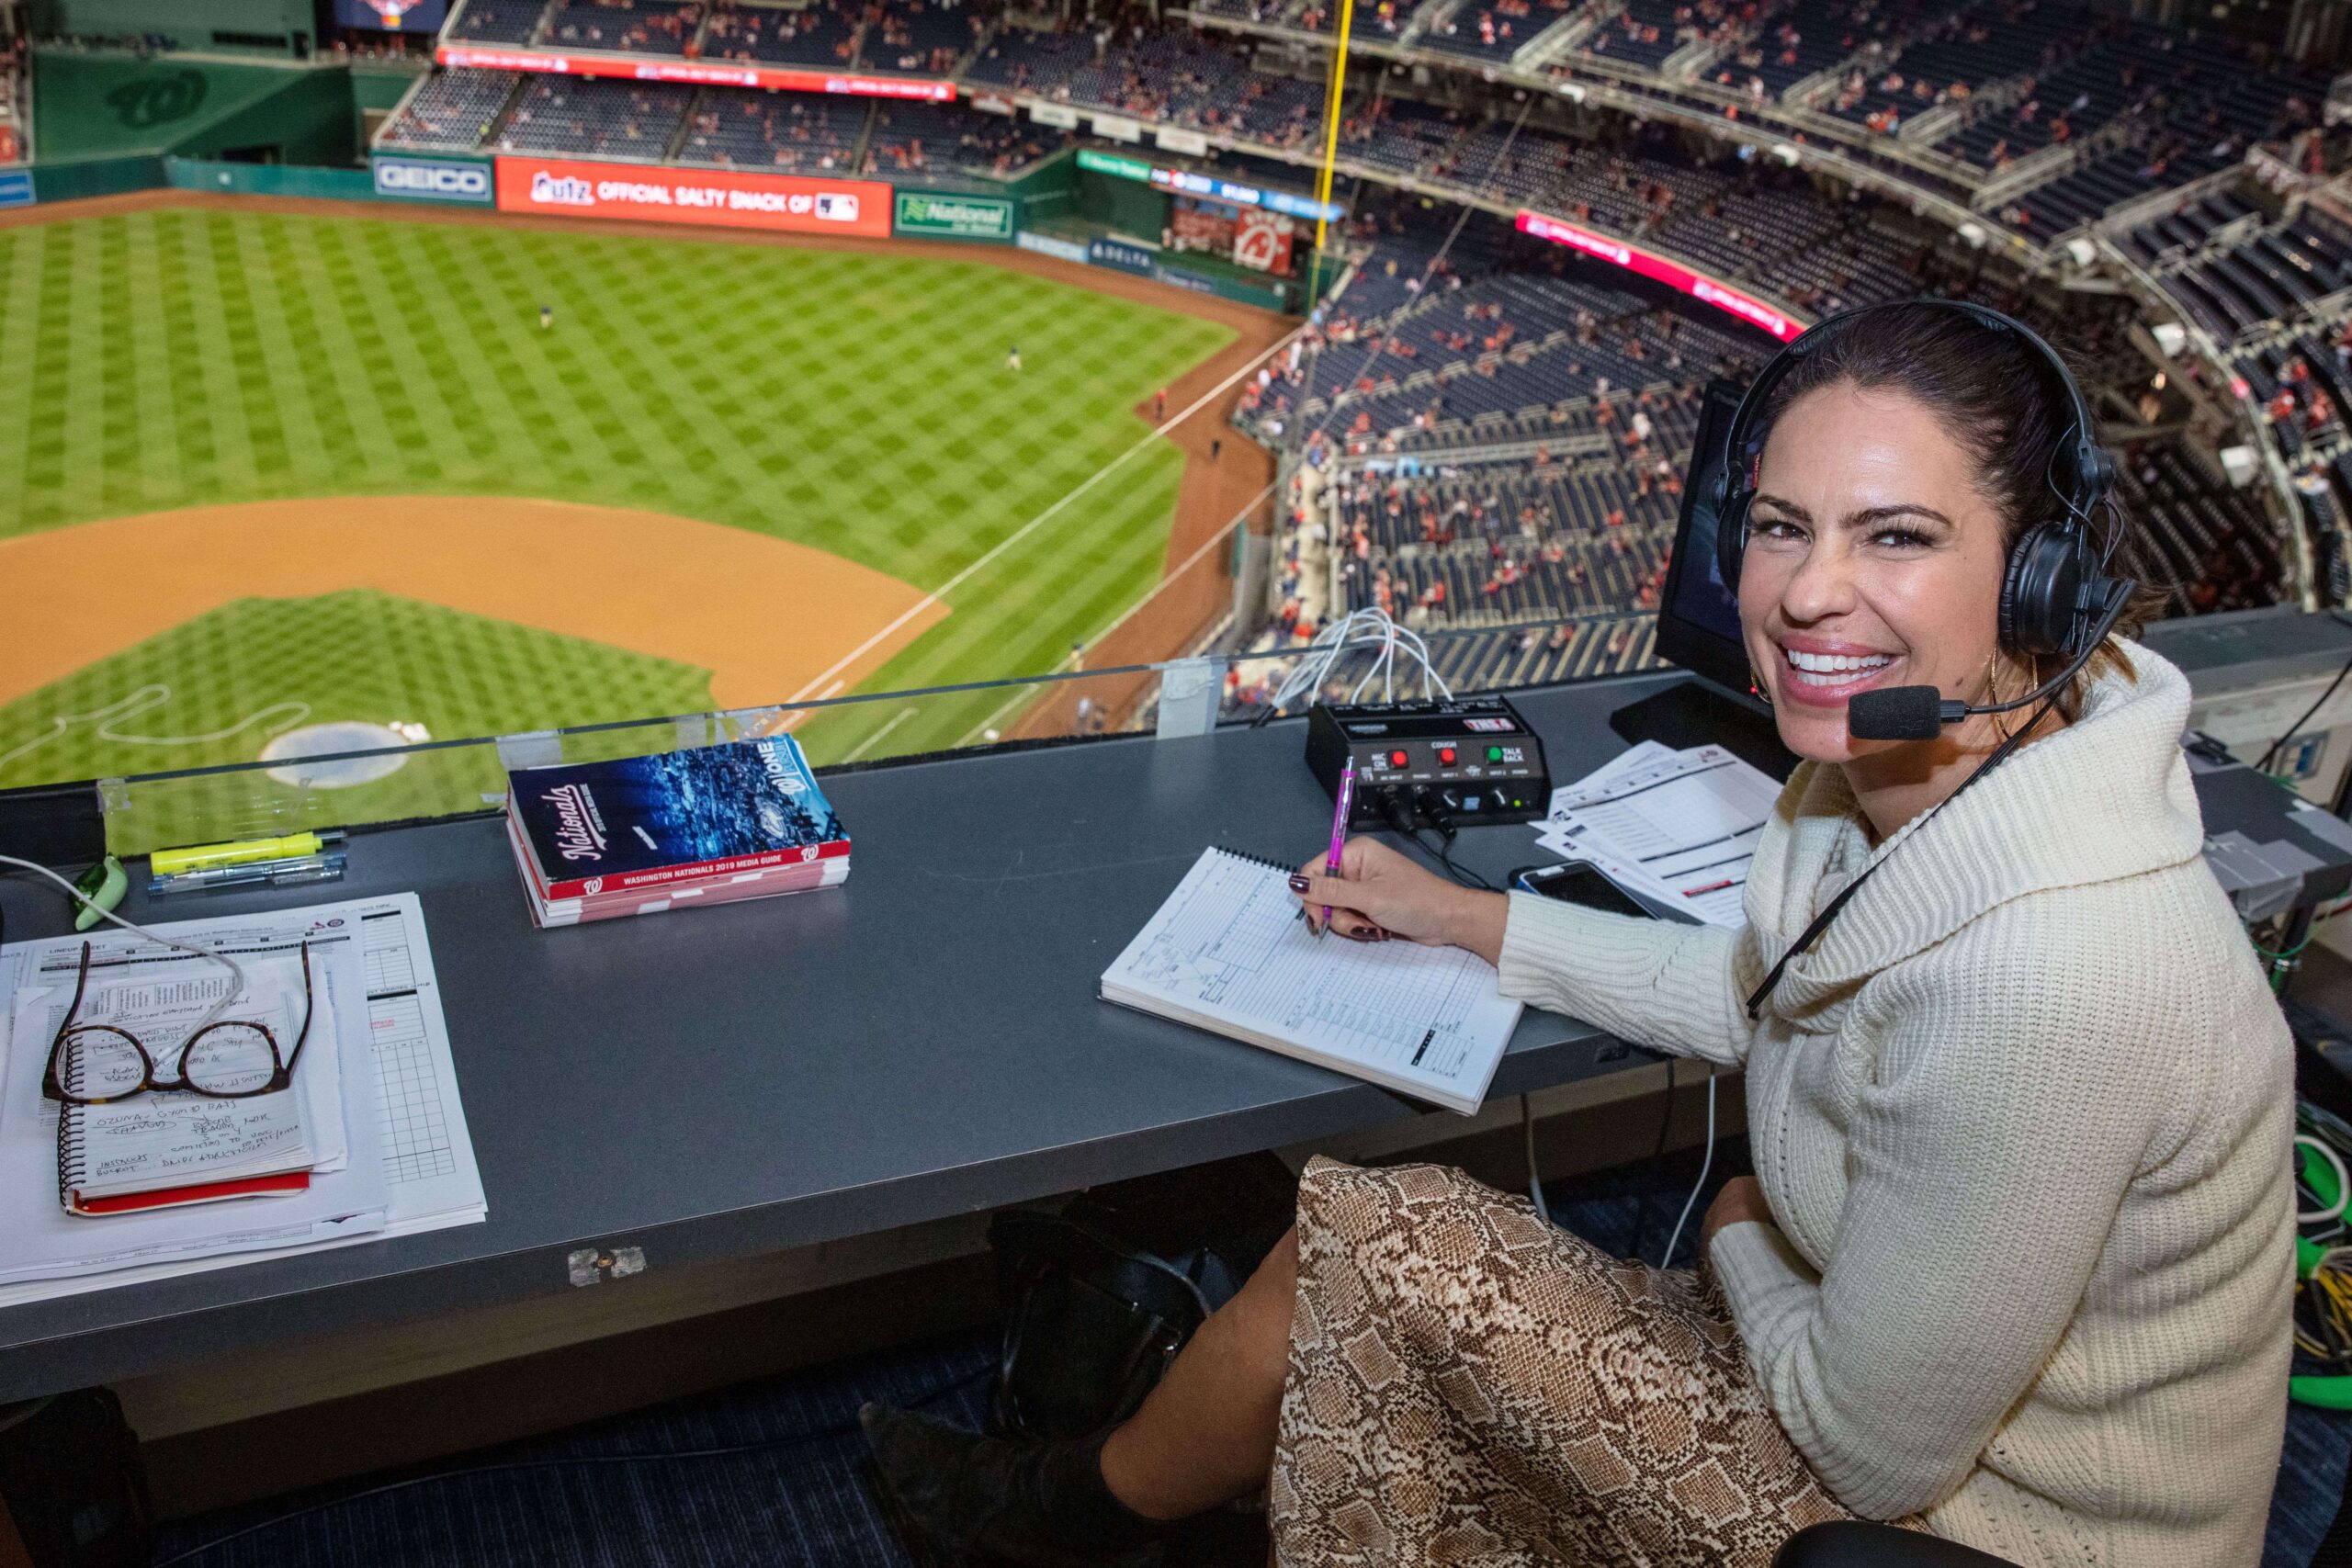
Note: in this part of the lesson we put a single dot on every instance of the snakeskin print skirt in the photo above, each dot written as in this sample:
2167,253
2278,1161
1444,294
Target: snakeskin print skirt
1470,1385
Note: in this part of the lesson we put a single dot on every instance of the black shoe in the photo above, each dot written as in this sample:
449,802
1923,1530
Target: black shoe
958,1498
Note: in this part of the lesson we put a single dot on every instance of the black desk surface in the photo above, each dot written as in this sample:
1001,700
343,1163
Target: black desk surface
925,1042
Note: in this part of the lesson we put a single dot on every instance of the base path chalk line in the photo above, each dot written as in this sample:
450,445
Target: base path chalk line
937,596
764,616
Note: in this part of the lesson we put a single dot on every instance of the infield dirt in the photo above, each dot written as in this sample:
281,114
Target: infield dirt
766,617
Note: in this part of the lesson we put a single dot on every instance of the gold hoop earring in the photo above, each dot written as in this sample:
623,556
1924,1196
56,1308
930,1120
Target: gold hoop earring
1993,695
1756,687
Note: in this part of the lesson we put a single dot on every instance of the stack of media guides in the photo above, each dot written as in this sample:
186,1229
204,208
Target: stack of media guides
368,1139
641,835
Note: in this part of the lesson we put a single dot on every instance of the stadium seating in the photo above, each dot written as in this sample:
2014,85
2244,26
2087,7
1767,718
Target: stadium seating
571,115
910,138
645,27
823,34
1494,29
774,130
1515,358
1645,32
499,21
2215,551
452,108
16,130
920,37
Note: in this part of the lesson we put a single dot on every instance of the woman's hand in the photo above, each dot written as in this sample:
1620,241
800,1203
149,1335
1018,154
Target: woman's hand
1740,1200
1380,894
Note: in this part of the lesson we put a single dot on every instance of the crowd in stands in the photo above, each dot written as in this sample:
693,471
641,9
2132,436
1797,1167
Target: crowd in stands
775,131
574,115
1497,439
373,43
453,109
911,137
739,128
650,27
15,62
917,37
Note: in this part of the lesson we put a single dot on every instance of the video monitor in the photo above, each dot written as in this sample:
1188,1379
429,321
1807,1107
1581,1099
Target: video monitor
1698,617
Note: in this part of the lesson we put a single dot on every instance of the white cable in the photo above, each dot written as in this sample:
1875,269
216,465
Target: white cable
1699,1186
80,898
1371,628
2342,1183
1535,1180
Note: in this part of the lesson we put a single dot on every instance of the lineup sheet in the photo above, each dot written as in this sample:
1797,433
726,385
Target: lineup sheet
426,1152
1228,951
1678,825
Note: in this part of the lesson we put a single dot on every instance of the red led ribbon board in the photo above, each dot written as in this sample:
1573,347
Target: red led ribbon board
1673,274
699,72
658,194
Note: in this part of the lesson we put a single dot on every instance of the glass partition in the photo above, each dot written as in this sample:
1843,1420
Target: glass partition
374,783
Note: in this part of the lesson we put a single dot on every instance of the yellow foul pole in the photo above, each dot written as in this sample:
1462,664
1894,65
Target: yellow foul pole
1330,145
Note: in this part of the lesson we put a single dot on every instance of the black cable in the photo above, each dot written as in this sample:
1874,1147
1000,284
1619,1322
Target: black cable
2264,765
840,1429
1462,875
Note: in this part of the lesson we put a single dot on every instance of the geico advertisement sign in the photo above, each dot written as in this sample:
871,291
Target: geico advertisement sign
433,180
707,196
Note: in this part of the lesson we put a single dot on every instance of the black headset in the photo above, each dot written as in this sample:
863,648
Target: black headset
2056,598
2050,597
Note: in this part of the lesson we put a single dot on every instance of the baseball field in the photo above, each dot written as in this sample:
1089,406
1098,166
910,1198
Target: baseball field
266,468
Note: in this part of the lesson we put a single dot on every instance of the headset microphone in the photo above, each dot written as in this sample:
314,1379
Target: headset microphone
1919,713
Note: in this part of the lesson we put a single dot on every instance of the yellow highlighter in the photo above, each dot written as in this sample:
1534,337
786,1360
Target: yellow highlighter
172,862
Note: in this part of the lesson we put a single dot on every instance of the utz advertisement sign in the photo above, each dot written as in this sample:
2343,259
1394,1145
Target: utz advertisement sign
431,179
944,216
792,203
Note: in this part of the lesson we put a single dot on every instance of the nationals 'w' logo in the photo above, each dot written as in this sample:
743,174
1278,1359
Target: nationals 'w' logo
158,99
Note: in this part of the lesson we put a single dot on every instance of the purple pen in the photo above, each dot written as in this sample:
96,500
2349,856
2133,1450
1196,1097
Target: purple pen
1339,830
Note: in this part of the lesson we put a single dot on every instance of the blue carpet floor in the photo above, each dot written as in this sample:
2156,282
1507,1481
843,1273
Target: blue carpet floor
770,1474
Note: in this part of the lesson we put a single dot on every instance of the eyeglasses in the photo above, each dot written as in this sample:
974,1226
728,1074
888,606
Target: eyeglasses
97,1064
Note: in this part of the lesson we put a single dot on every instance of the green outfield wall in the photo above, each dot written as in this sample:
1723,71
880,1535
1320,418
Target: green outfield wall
274,26
101,104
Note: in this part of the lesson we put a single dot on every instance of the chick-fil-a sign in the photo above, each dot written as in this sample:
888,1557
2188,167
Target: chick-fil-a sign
1673,274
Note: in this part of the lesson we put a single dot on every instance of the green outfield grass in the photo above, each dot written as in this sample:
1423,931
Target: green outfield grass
857,404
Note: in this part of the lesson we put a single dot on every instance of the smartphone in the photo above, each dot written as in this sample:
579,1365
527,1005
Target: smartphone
1581,881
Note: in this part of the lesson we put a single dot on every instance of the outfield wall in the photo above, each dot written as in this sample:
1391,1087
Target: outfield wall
670,194
102,106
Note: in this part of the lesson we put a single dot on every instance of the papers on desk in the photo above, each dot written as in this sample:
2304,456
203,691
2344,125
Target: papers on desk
1227,953
1679,826
387,1134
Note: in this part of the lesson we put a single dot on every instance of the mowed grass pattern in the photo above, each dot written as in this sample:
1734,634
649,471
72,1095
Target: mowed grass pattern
270,665
855,402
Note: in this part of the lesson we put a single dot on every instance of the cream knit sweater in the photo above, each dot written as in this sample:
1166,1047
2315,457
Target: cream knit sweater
2023,1118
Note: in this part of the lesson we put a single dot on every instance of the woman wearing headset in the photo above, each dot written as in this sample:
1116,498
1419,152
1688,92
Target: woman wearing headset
2016,1267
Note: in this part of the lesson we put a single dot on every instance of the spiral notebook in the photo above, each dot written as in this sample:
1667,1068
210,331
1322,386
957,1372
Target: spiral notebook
151,1151
1227,953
